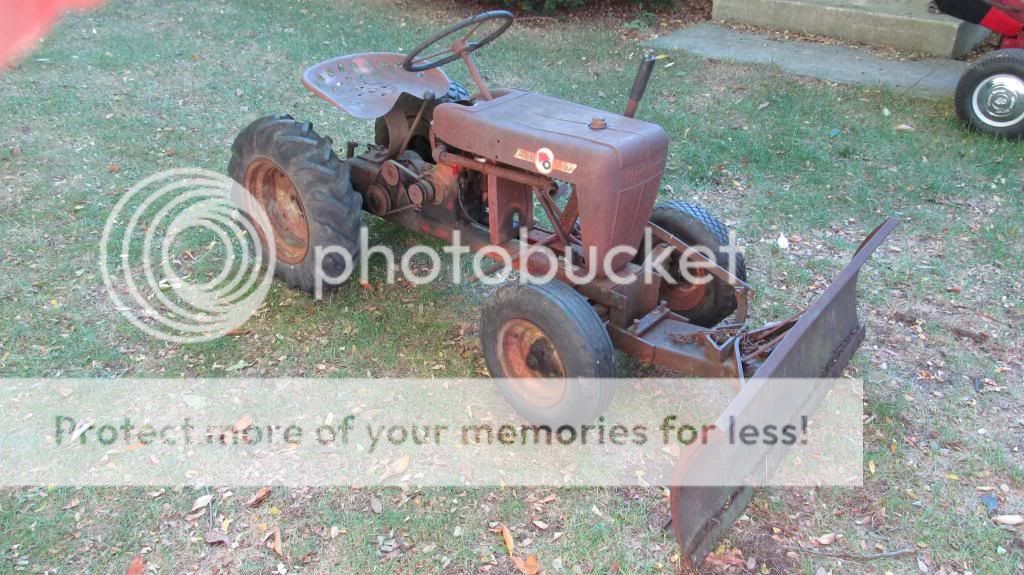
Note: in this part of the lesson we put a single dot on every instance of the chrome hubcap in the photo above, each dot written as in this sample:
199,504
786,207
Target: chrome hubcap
999,101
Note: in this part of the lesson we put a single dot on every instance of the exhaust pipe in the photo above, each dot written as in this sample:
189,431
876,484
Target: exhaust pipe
643,76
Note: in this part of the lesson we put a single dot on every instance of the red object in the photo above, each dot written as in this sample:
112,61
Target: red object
1014,8
136,567
1010,42
1002,23
24,22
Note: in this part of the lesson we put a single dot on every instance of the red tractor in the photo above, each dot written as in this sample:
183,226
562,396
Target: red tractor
990,95
507,168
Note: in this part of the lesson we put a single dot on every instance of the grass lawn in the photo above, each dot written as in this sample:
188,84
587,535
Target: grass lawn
115,95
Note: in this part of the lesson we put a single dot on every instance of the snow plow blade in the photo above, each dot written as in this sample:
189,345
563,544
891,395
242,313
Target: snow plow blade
818,346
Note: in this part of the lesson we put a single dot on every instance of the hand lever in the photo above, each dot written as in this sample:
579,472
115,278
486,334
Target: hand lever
428,98
643,76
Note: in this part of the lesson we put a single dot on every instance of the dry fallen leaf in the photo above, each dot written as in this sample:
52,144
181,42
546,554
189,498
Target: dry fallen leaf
193,517
826,539
201,503
241,364
215,537
273,541
335,531
80,428
727,559
136,567
242,424
506,536
397,466
905,128
540,524
1010,520
376,505
528,566
259,497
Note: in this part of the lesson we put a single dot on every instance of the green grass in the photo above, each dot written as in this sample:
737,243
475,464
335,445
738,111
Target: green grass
149,85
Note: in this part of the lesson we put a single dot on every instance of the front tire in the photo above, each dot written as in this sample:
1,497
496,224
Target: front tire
539,341
990,95
707,304
294,174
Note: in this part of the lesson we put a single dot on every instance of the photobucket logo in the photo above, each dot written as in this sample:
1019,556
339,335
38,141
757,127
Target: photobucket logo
178,255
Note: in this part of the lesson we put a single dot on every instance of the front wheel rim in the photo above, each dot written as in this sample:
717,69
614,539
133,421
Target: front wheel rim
998,101
680,295
531,362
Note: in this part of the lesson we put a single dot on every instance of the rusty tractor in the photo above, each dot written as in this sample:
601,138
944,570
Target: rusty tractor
507,168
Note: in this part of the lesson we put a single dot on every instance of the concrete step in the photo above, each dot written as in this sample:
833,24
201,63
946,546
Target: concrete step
902,24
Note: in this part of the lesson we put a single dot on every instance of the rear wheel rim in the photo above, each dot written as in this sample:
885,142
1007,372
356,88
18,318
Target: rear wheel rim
998,101
532,363
276,193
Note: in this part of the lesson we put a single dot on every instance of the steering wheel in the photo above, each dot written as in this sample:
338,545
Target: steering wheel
458,48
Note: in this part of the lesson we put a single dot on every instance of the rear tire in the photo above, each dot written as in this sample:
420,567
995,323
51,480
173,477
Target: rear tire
711,303
539,340
305,190
990,95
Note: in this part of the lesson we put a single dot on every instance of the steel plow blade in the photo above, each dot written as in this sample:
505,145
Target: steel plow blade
819,346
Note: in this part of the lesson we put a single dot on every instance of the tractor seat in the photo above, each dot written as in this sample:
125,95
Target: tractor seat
368,85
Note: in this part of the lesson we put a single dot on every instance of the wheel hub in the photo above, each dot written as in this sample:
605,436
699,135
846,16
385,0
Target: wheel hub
530,358
680,295
999,100
274,190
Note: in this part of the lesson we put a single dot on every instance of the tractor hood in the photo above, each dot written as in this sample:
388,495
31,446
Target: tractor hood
615,162
512,128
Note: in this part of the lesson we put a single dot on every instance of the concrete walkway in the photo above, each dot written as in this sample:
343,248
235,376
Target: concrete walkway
903,24
931,78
